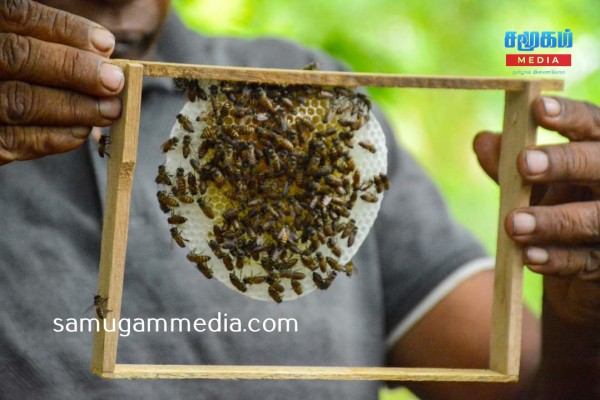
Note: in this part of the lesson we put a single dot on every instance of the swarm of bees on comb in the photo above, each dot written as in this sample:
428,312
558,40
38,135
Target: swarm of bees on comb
272,188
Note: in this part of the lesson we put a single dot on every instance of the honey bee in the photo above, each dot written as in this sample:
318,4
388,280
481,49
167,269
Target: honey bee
214,102
348,228
365,99
185,123
250,154
297,287
274,161
103,145
352,236
100,306
170,144
308,262
181,183
313,66
275,295
205,269
235,281
282,236
275,284
209,132
176,219
293,275
186,149
181,83
225,108
378,184
385,181
228,262
324,283
264,102
334,264
196,165
305,125
163,177
205,208
192,183
333,181
285,144
331,243
266,263
216,249
182,196
351,164
369,197
356,178
195,91
217,177
288,263
239,262
231,214
370,147
353,124
321,261
288,104
254,279
246,129
218,232
166,200
349,268
176,235
366,185
197,258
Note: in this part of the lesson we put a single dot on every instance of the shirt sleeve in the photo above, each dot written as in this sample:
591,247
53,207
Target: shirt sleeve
423,251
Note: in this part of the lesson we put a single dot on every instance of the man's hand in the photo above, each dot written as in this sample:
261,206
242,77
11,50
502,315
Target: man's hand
55,82
560,233
561,230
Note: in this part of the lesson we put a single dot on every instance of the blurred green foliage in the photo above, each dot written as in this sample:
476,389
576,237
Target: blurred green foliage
444,38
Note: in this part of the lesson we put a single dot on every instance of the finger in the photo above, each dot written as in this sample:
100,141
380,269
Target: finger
29,18
576,161
49,64
566,224
26,143
564,261
24,104
575,120
487,148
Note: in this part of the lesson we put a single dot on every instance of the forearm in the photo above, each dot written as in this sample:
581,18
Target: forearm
570,364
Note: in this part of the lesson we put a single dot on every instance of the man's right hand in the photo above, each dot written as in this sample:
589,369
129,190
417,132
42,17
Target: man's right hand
55,81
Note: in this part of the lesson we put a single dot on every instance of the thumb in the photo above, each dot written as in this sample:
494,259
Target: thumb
487,148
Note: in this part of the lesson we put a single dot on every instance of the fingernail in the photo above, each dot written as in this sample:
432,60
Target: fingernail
551,106
536,255
111,77
80,132
102,39
523,224
537,162
110,108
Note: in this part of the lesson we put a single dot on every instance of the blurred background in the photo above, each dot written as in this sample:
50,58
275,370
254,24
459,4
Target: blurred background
450,38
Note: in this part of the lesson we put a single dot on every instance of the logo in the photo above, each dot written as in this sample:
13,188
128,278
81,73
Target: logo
530,41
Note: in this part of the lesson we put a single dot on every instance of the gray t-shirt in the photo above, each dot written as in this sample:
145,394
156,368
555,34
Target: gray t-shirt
50,228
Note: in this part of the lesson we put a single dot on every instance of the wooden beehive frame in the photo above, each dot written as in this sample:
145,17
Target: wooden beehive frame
519,131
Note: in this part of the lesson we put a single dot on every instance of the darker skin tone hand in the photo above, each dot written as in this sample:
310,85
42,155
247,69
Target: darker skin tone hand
55,80
560,234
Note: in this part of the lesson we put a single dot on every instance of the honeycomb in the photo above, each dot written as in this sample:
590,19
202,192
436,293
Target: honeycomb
271,188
